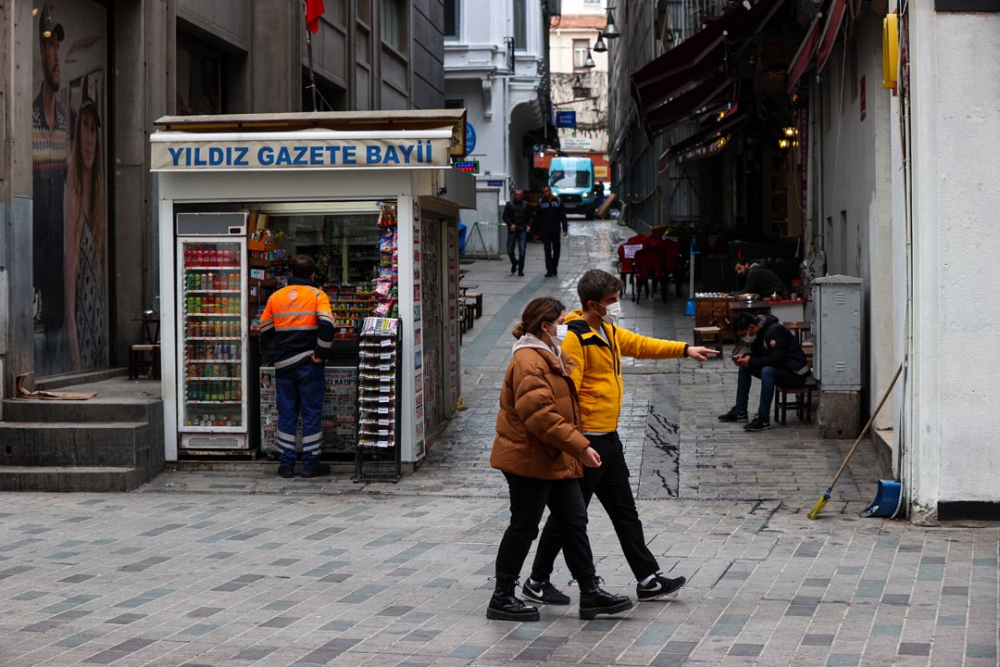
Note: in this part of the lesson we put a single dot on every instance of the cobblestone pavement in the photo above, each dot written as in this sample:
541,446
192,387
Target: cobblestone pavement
241,568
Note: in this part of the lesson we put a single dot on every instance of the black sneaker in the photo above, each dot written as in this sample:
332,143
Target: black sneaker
520,274
758,424
322,470
287,473
543,593
659,587
734,415
513,269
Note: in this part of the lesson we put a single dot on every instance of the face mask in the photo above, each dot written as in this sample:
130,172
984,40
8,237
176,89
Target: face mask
560,335
748,339
612,312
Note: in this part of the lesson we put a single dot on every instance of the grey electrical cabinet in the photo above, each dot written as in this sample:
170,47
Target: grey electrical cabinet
838,345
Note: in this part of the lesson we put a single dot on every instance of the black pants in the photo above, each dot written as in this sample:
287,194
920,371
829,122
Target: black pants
528,498
610,483
553,246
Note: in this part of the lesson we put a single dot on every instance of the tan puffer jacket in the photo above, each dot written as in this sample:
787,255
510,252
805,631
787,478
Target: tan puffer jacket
538,428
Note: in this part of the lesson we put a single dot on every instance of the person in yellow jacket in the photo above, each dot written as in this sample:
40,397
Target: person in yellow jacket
596,344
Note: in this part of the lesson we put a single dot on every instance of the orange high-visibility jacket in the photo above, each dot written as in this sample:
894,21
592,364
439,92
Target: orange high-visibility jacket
301,321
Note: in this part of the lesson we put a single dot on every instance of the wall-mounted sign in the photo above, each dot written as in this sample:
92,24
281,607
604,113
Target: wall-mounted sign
575,144
468,166
470,138
565,119
495,184
304,153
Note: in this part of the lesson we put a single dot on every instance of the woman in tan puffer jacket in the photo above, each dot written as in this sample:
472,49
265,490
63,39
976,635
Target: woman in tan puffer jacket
541,451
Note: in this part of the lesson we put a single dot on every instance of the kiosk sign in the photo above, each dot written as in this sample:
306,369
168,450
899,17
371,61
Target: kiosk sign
297,153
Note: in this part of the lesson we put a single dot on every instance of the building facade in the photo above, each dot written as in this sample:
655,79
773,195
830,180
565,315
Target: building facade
496,67
837,136
579,88
81,85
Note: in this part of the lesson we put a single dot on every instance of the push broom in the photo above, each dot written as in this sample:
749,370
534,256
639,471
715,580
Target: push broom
821,503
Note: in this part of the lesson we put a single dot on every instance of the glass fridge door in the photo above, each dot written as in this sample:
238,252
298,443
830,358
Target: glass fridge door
212,373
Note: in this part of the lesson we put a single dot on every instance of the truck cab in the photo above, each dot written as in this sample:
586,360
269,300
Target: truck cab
572,180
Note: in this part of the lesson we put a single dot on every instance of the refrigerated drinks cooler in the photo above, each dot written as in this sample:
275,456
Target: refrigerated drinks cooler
212,330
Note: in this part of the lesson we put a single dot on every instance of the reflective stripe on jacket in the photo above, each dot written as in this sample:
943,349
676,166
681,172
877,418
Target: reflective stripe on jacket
300,319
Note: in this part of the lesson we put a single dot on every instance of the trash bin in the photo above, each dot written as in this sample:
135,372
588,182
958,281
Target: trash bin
462,229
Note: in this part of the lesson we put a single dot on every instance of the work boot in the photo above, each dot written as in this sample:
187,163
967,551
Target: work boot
321,470
543,593
595,602
505,606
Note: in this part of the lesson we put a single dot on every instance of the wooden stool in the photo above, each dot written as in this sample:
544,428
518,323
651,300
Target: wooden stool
146,356
801,401
470,313
713,335
477,302
800,329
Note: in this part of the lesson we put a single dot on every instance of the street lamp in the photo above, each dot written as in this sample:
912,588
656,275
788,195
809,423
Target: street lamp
589,62
600,47
611,30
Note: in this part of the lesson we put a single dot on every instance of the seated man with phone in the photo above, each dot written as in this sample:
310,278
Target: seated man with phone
771,353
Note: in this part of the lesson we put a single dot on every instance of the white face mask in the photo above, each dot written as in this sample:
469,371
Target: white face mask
748,339
612,312
560,335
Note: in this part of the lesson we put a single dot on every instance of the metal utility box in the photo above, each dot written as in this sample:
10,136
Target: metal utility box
838,302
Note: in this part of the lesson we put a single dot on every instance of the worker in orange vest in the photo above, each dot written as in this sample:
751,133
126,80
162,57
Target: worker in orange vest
300,319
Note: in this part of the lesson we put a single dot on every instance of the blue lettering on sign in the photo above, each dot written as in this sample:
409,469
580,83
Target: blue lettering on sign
420,152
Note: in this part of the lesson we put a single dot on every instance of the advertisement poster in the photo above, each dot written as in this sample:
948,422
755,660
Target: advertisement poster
418,347
69,171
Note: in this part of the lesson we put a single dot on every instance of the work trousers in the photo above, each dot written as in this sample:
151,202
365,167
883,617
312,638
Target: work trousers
300,391
528,499
769,377
552,244
610,484
519,239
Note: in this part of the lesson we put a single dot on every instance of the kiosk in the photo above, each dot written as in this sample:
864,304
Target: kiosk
374,199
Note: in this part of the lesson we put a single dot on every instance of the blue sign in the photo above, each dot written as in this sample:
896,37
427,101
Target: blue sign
470,138
565,119
494,184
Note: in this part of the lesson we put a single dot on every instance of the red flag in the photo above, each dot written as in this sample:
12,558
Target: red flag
314,9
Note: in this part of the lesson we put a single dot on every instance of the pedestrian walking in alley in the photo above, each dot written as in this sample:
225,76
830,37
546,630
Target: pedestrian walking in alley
541,452
300,319
517,215
550,221
775,358
596,344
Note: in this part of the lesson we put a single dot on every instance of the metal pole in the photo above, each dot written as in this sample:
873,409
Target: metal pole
312,76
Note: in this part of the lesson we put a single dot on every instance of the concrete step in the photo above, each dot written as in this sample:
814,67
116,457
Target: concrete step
62,479
56,382
114,444
97,409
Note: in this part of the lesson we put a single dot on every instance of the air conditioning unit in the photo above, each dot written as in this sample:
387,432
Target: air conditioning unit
838,302
555,7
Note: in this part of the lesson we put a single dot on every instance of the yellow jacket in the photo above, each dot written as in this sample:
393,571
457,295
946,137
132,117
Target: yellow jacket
598,372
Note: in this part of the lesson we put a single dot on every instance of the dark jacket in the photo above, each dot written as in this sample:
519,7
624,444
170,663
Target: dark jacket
538,426
550,218
299,318
519,214
776,346
764,282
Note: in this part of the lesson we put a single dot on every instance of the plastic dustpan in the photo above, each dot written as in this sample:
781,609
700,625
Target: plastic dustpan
888,500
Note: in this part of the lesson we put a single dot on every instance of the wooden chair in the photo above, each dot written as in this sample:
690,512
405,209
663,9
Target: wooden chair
476,299
144,357
800,329
800,401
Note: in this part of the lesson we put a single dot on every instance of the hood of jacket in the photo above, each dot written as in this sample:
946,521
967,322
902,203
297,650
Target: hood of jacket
559,362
